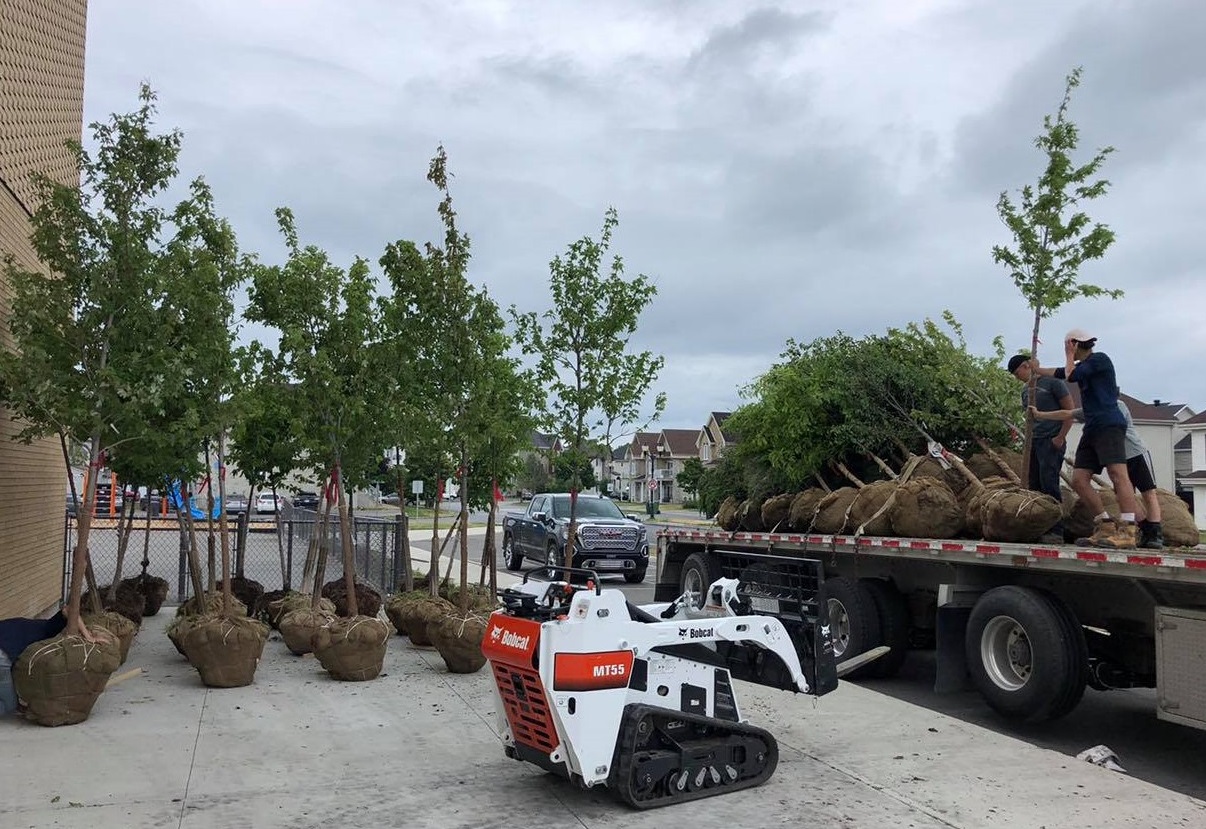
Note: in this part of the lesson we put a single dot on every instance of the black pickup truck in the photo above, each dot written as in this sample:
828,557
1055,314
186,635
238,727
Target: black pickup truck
608,541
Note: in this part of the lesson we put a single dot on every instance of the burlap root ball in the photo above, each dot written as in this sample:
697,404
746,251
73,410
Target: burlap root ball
983,466
1018,516
212,604
352,649
973,497
294,601
926,508
1177,521
930,467
271,597
831,511
154,592
749,515
419,612
248,591
726,514
803,508
117,624
368,600
776,511
129,601
396,608
61,678
480,597
869,501
458,638
298,627
225,650
1078,515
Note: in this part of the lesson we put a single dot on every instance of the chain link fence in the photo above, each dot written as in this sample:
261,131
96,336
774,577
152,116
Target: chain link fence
270,550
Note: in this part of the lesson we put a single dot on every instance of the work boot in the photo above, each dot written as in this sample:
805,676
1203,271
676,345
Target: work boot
1102,528
1125,537
1151,535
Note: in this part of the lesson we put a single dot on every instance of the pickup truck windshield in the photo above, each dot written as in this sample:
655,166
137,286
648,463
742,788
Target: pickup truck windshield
587,508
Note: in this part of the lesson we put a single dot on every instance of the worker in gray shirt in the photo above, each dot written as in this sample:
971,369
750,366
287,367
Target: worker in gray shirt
1138,468
1048,444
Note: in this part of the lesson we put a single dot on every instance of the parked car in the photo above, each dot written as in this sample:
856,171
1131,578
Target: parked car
71,508
306,500
237,503
607,541
266,504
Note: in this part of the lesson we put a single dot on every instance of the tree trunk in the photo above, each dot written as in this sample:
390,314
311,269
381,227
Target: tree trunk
79,511
433,574
491,523
125,527
821,482
244,529
321,525
211,553
184,516
882,464
464,529
1005,468
79,556
146,536
324,507
223,526
1028,441
280,542
841,467
408,573
489,553
571,535
349,558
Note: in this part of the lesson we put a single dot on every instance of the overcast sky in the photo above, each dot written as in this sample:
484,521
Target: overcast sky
781,170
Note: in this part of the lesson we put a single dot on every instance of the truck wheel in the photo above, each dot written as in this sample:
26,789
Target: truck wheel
853,622
636,576
1078,677
1022,657
892,610
553,560
698,573
512,559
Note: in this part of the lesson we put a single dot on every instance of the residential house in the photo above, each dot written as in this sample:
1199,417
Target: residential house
712,439
653,460
544,448
1194,479
608,470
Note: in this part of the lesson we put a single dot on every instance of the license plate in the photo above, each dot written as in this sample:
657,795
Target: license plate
609,565
764,605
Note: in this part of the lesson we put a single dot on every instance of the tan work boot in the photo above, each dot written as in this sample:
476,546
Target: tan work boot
1102,528
1126,537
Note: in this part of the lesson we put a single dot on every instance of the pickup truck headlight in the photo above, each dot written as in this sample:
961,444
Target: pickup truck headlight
562,531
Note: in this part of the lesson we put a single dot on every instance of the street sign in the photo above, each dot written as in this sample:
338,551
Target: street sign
416,487
652,484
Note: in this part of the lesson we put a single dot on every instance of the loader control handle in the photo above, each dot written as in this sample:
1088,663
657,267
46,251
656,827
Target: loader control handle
545,569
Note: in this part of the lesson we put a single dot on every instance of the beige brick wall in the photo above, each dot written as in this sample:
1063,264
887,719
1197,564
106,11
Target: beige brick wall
41,105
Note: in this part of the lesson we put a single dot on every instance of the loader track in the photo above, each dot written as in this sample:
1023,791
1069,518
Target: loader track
665,757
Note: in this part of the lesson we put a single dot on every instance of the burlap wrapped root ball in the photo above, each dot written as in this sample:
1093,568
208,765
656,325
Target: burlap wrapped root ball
248,591
298,627
749,515
397,608
1177,521
61,678
225,650
129,601
776,511
277,608
973,497
1078,515
458,638
154,592
726,514
831,511
421,611
983,466
352,648
211,604
480,597
368,600
1019,516
803,508
930,467
122,629
869,501
926,508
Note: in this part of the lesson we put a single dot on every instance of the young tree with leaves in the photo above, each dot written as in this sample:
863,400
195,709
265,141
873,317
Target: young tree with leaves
1053,236
593,381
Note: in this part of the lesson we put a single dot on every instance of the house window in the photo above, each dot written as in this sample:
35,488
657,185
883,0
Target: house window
705,452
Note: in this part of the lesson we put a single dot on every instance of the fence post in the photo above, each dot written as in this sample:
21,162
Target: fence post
241,543
384,547
182,574
396,584
288,574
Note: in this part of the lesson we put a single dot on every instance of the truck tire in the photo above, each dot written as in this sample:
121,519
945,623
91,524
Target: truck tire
1022,655
1078,677
556,558
698,573
636,576
853,621
894,623
512,559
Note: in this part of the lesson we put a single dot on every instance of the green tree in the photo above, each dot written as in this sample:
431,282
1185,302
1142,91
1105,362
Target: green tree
692,475
573,471
1053,237
593,381
76,328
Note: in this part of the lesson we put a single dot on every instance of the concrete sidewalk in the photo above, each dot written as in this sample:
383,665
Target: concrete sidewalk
417,748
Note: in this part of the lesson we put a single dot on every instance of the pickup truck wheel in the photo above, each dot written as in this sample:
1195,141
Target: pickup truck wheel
512,559
853,621
1021,656
636,576
894,622
698,573
554,560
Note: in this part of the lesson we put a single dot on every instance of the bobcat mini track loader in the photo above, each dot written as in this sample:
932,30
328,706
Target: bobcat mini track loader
640,699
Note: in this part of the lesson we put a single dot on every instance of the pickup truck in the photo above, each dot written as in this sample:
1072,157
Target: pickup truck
608,540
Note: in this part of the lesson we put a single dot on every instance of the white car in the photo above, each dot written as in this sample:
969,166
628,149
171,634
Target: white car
266,503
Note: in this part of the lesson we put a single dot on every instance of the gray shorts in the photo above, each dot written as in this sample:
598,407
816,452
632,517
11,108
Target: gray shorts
8,691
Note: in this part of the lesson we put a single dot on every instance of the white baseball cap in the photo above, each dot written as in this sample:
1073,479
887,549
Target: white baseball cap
1080,335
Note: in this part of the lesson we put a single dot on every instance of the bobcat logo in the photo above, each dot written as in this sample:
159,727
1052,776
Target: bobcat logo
682,632
496,634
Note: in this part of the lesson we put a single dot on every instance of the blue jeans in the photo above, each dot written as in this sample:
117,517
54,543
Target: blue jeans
1046,461
8,691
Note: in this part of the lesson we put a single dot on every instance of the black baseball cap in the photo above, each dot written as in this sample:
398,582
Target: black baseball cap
1016,360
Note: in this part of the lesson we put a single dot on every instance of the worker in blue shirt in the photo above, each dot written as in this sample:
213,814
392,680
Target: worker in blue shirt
1103,442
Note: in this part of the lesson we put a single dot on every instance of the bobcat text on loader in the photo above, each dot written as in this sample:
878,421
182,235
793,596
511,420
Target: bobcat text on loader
640,699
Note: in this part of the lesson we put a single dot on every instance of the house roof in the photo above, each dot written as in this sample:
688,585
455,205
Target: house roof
720,418
617,454
542,441
1183,444
1196,475
1197,420
681,441
641,440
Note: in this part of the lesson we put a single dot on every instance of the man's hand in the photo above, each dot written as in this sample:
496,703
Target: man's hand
1069,348
1058,441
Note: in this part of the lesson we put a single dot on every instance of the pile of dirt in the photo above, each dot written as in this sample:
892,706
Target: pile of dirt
726,514
61,678
830,518
1018,516
867,502
749,515
122,629
368,600
458,638
352,648
249,592
129,601
925,507
212,604
225,650
298,627
776,511
154,591
803,508
1177,521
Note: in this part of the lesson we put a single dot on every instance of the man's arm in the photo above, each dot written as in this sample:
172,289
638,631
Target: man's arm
1067,415
1065,405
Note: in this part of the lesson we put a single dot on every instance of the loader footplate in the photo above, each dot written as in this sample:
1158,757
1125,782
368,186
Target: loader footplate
665,757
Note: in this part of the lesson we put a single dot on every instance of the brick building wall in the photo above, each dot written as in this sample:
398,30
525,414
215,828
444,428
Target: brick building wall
41,106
